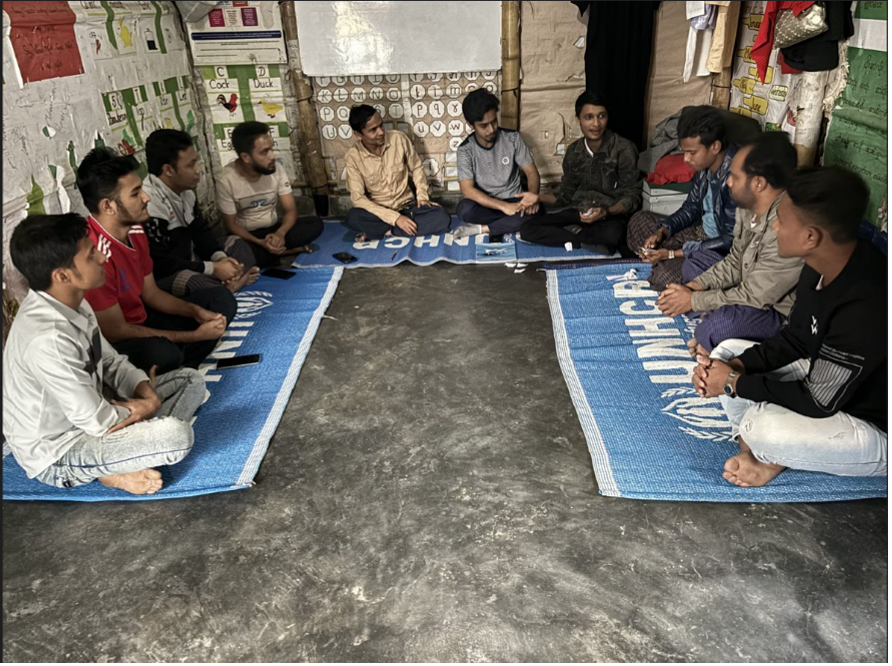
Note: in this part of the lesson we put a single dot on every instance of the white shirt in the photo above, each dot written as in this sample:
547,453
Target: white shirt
52,394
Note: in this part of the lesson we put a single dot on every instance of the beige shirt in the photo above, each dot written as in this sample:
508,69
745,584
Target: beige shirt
380,185
752,274
254,204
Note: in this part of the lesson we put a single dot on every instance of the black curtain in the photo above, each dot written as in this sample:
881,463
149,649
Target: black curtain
617,60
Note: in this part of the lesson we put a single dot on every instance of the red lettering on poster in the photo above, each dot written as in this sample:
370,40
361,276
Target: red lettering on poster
42,36
240,3
215,19
249,16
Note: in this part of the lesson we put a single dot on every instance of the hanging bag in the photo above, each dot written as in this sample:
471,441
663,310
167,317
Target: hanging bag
790,29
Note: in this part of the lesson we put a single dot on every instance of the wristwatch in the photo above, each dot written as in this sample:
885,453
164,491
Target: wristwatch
729,384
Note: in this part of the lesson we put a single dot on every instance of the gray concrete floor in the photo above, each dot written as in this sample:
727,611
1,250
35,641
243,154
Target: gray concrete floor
429,497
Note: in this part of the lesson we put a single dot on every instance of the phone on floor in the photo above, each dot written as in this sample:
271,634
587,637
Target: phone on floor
345,258
279,273
239,361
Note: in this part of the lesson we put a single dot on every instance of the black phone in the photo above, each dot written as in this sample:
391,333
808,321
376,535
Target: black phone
278,273
345,258
239,361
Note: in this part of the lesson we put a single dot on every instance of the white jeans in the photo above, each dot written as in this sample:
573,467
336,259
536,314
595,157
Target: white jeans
838,444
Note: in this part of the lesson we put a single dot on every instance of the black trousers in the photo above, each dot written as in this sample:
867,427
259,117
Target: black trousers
551,230
167,355
305,231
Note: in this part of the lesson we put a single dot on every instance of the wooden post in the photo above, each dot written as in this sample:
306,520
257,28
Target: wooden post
721,89
309,142
510,110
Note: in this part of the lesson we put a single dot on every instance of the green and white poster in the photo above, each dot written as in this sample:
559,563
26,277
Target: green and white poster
858,130
239,93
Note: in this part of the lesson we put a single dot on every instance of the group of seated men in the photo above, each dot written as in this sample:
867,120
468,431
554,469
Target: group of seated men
100,376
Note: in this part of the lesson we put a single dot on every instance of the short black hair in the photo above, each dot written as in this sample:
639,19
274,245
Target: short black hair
360,115
245,135
164,147
99,173
589,97
42,243
703,122
773,157
477,104
832,197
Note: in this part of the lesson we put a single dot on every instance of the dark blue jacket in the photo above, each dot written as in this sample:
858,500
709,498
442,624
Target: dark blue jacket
691,211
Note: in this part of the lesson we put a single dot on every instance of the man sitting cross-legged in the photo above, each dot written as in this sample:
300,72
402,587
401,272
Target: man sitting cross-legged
378,169
706,218
749,293
601,187
248,194
56,363
490,162
143,322
813,397
186,256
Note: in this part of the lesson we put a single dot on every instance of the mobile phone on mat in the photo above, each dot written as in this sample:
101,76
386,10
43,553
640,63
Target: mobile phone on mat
279,273
345,258
239,361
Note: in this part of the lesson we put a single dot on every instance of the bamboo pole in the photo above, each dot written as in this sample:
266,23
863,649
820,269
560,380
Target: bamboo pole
510,111
309,142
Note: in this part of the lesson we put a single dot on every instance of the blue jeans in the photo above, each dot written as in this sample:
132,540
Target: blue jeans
838,444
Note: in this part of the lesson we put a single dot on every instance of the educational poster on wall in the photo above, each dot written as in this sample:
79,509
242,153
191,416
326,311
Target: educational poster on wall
130,76
113,26
43,40
117,29
239,33
425,106
127,112
857,136
175,107
238,93
769,102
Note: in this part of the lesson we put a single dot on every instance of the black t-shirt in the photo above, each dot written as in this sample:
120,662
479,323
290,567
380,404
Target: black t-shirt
843,330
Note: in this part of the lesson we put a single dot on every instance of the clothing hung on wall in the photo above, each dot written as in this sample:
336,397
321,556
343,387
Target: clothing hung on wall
821,52
619,41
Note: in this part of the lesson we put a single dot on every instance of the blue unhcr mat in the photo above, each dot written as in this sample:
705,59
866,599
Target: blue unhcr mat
427,250
649,434
276,318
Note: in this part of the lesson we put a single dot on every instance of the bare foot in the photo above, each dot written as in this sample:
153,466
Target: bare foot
298,250
143,482
745,471
248,277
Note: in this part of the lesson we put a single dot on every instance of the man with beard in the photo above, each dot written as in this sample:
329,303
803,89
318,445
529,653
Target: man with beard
815,396
248,194
749,293
140,320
